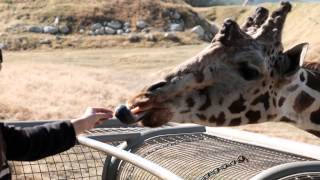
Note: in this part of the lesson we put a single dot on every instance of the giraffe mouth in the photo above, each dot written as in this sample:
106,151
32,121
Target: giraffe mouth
151,116
138,113
146,109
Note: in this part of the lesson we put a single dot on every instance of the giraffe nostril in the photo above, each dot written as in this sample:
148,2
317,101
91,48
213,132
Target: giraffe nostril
156,86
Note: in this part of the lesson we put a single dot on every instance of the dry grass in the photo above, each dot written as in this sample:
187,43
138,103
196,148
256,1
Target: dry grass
302,24
60,84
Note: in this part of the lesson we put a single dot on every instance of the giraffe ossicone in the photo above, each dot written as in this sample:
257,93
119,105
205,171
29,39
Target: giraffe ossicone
244,76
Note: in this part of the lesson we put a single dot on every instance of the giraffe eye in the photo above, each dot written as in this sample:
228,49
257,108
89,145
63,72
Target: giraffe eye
248,72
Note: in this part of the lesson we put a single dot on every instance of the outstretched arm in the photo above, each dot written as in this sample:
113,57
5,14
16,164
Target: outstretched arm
33,143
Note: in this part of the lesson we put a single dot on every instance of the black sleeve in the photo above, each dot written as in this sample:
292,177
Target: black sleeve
33,143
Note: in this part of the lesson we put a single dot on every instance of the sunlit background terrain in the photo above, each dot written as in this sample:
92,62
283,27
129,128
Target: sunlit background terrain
56,75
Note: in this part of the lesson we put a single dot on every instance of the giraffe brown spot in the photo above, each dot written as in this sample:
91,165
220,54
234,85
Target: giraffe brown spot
314,132
281,101
302,78
274,102
287,120
264,98
256,91
199,76
238,105
292,88
253,116
218,120
221,101
202,117
302,101
271,116
235,122
185,111
272,51
315,116
207,102
263,83
271,73
313,80
190,102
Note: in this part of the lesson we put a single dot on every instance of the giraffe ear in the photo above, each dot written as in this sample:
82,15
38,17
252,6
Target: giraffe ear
294,58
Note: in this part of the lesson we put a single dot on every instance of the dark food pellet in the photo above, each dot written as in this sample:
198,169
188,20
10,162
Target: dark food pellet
124,115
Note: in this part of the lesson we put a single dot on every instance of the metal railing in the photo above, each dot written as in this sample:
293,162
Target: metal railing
174,151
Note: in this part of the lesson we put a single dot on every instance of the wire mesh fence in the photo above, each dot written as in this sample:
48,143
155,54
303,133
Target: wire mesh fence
189,154
79,162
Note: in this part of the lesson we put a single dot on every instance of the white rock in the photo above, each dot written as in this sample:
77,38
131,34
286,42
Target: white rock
199,31
50,29
176,27
126,25
56,21
127,30
120,31
134,38
81,31
109,30
91,33
115,24
175,15
64,29
96,26
146,30
171,36
35,29
45,41
150,37
99,31
141,24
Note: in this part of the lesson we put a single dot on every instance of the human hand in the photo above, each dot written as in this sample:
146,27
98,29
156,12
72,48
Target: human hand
91,118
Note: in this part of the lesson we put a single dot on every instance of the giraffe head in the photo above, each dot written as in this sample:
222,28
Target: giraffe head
235,80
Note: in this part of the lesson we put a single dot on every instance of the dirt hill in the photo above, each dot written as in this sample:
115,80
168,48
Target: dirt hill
302,24
82,14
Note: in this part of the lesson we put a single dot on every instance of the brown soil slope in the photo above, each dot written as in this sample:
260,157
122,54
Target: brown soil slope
302,25
82,14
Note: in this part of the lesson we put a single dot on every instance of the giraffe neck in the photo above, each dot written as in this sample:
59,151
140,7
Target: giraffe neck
299,102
